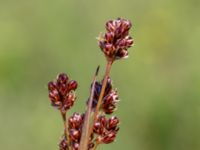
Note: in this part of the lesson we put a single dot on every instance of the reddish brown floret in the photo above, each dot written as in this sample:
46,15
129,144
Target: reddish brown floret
63,144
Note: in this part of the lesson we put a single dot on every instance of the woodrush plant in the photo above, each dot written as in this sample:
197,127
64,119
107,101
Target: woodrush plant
87,130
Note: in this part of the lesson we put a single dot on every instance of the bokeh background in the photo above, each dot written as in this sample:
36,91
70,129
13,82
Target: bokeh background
159,84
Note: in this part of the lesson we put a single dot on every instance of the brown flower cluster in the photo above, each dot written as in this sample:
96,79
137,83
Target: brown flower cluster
106,129
75,131
75,127
116,41
61,92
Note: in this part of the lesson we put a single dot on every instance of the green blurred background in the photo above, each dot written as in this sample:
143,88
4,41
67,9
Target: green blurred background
159,84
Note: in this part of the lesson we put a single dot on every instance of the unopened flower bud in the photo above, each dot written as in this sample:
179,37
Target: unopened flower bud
75,146
51,86
75,121
74,135
99,125
109,37
72,85
63,144
108,138
112,123
62,78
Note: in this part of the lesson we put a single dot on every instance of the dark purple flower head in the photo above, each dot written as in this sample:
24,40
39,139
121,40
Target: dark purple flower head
110,98
116,41
61,92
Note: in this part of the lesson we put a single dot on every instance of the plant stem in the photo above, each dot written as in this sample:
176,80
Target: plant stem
95,146
86,125
108,68
66,134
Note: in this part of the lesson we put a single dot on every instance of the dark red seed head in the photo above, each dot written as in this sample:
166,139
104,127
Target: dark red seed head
61,92
116,40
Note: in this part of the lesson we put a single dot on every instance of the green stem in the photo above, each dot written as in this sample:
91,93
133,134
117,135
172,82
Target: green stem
95,146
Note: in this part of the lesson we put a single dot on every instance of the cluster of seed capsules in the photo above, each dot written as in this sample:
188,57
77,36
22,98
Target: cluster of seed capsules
116,41
114,44
62,96
61,92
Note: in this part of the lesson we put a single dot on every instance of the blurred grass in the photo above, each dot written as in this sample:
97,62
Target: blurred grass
158,84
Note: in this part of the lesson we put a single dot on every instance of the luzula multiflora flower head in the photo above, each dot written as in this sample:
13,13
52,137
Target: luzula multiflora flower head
98,129
116,41
61,92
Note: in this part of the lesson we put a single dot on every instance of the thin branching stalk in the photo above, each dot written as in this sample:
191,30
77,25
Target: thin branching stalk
95,146
95,115
86,126
66,134
108,68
